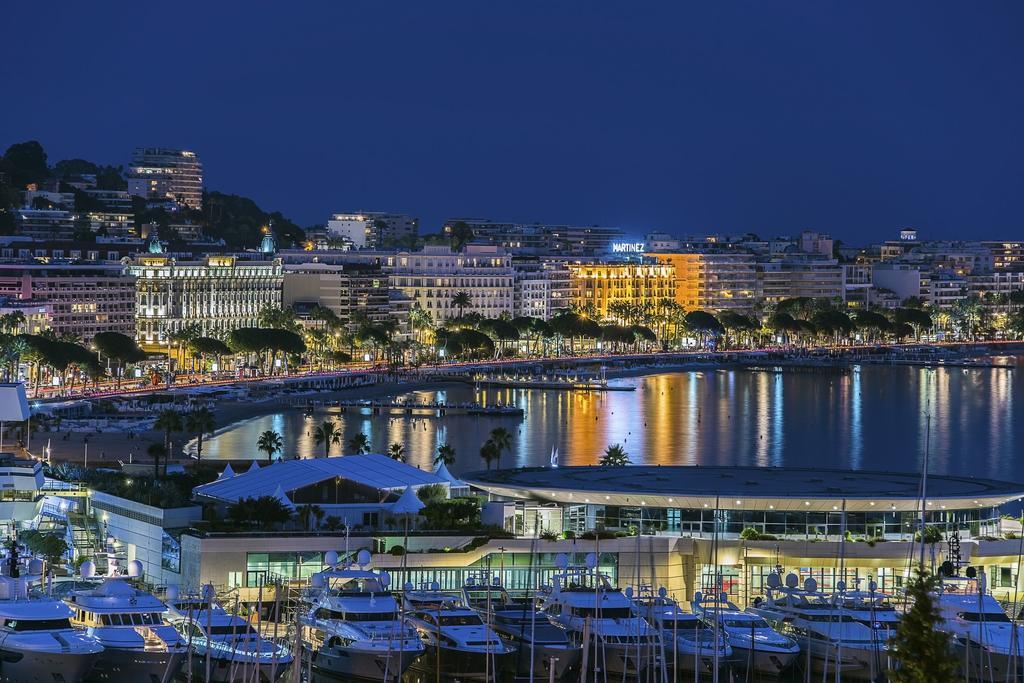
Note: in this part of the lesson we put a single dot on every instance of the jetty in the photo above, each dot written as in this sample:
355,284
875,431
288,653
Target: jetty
431,408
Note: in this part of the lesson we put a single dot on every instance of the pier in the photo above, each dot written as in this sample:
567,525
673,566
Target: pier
435,408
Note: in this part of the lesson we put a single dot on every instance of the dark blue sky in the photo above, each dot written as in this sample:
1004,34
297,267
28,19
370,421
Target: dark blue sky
850,117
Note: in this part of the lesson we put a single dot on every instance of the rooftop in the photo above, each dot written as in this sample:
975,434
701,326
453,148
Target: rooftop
378,471
743,488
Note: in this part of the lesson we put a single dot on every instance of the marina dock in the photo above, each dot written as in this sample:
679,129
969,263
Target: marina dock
439,409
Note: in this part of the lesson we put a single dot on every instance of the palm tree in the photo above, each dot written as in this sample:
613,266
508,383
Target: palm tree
327,434
359,444
156,451
445,455
462,301
489,451
270,442
169,421
615,456
502,441
397,452
200,422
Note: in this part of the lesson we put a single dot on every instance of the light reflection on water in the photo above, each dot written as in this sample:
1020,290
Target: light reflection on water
872,418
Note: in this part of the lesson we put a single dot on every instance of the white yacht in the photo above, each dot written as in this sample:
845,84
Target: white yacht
830,640
353,627
458,643
688,641
755,644
582,600
37,642
128,622
224,645
988,644
542,646
876,611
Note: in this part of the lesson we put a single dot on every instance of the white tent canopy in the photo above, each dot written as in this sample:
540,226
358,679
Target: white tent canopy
280,495
227,473
408,504
254,467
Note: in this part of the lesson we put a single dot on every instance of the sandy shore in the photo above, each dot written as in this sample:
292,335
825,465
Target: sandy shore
108,449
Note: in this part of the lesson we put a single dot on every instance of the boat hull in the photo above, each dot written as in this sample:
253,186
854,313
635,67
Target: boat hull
763,662
977,664
137,666
227,671
564,658
619,659
28,666
463,666
364,664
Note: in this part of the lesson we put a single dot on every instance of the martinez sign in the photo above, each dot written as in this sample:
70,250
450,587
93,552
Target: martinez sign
628,247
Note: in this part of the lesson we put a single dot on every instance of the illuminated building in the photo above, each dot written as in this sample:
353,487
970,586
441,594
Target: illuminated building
219,294
713,281
373,230
45,224
798,275
542,288
431,278
1006,255
163,174
82,299
600,284
541,239
346,289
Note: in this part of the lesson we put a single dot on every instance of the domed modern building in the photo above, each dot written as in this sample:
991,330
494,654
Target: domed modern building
744,522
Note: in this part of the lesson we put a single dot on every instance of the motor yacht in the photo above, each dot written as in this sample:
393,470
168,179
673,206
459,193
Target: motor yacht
225,647
458,643
830,640
756,646
599,618
688,641
542,646
128,622
876,611
37,641
352,625
988,644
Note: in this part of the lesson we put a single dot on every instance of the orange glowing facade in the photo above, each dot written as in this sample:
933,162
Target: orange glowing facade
600,284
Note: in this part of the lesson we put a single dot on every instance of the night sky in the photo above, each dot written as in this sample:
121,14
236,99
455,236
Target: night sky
855,118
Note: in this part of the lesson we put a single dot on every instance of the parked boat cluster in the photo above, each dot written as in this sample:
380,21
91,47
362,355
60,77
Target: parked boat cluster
351,625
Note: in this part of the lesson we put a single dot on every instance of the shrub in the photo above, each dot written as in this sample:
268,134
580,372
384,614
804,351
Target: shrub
549,535
397,551
750,534
570,535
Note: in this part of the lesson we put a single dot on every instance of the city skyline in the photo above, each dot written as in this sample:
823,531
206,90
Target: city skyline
851,121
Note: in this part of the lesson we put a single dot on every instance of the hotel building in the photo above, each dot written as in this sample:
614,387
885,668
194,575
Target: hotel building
218,293
542,288
541,239
431,278
600,284
161,174
82,299
713,281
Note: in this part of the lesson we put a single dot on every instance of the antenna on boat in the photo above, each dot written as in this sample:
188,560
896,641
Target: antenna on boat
924,484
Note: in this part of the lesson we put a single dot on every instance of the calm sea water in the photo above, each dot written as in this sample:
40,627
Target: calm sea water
873,418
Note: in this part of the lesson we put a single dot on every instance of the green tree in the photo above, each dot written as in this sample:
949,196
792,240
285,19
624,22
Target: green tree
156,451
200,422
445,454
359,444
459,234
168,421
920,648
265,512
615,456
502,439
270,442
327,434
489,452
397,452
462,301
24,163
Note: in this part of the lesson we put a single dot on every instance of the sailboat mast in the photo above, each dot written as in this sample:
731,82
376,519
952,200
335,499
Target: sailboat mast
924,484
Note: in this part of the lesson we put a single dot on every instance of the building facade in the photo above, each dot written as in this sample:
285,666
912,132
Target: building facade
543,288
351,290
218,293
82,299
598,285
162,174
430,279
797,276
713,281
373,229
541,239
